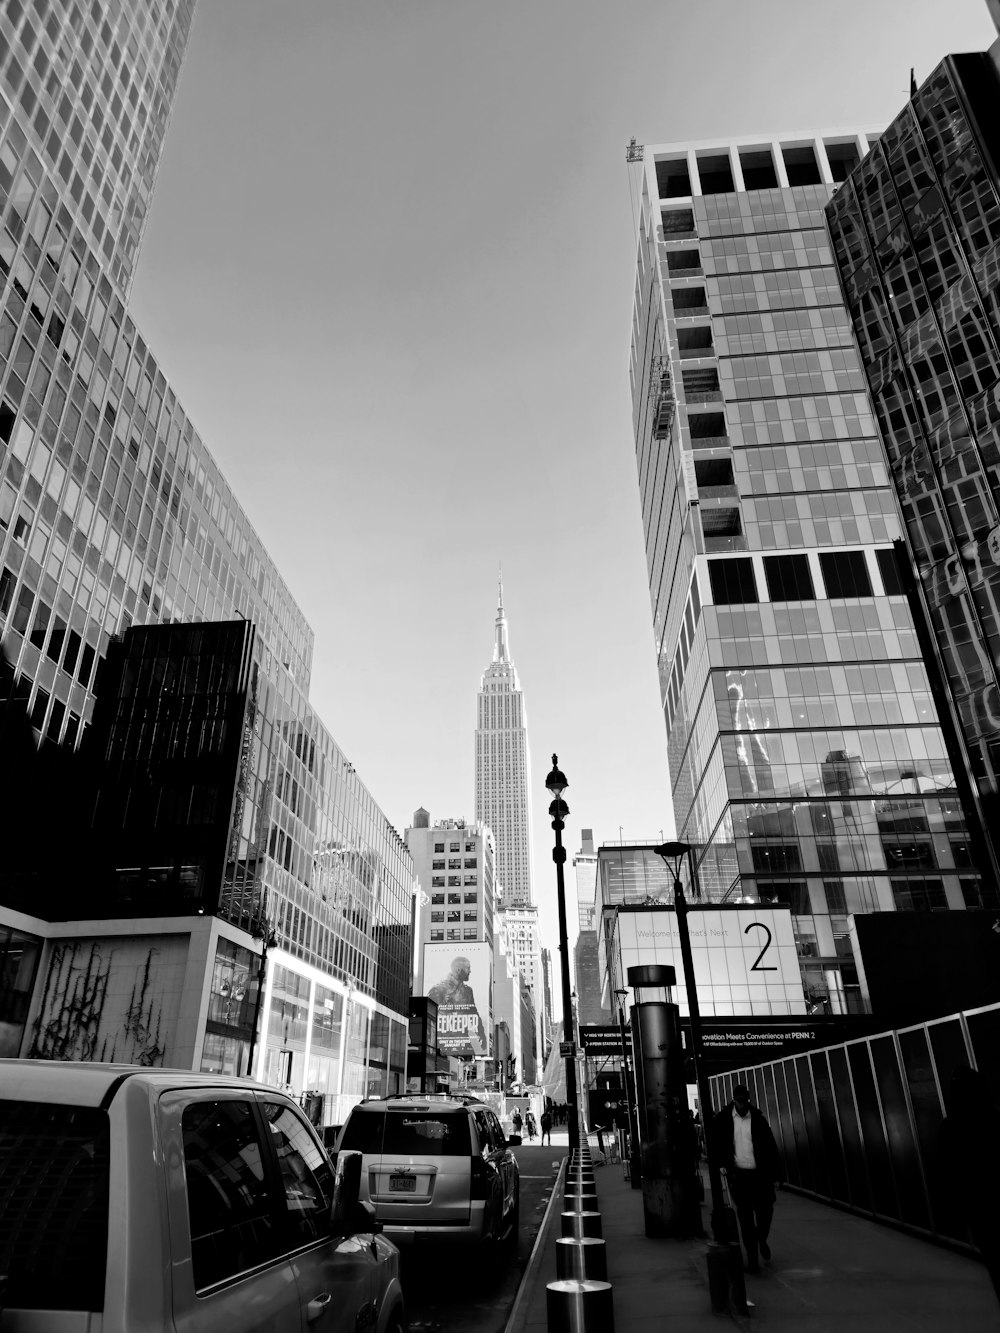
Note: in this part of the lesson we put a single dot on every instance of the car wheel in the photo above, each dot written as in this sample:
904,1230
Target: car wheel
396,1324
515,1226
487,1267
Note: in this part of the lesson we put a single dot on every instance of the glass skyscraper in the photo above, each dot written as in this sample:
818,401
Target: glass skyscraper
113,514
805,757
916,234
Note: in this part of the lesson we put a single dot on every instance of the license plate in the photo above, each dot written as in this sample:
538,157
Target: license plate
404,1184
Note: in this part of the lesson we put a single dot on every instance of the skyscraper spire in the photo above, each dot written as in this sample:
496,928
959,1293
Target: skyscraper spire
501,652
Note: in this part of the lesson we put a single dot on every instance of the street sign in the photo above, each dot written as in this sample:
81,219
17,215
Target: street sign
567,1050
601,1039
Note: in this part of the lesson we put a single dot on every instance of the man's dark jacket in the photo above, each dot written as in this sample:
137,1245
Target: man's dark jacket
765,1150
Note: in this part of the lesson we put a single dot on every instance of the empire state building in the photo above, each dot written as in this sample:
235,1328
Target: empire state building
503,769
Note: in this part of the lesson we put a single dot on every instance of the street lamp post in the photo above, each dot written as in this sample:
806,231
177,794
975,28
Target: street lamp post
263,931
633,1135
557,784
723,1220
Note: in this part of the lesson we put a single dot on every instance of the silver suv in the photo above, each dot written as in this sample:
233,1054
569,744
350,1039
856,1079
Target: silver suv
438,1170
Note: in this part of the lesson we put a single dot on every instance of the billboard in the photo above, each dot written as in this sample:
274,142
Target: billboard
745,959
459,978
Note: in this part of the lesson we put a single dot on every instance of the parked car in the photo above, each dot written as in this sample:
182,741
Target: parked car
439,1171
164,1200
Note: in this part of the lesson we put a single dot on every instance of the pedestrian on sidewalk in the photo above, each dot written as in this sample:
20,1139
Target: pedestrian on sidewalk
529,1121
748,1154
970,1133
546,1123
516,1121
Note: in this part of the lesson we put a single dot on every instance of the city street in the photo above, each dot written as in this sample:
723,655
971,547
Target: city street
441,1293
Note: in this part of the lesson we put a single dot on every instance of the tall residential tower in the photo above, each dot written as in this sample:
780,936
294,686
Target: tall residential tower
804,751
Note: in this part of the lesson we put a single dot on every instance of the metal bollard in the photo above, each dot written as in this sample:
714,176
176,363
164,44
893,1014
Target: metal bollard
579,1201
577,1225
579,1305
582,1258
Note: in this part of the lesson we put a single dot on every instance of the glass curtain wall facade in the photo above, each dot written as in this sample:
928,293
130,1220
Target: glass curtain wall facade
916,235
113,513
804,751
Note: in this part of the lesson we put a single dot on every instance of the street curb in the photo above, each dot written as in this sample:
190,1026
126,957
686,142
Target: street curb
528,1282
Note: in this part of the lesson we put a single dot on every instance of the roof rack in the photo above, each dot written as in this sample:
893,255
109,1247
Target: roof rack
463,1097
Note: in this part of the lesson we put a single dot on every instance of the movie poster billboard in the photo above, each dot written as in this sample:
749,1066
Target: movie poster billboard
459,977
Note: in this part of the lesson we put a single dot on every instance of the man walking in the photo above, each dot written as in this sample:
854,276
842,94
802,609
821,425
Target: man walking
748,1154
546,1124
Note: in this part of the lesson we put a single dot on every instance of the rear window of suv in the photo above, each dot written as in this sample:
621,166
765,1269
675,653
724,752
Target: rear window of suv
434,1133
53,1205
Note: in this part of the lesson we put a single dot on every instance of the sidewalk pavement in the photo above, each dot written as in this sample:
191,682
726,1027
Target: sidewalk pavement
832,1272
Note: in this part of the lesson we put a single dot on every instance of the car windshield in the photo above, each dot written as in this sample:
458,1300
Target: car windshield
53,1205
435,1133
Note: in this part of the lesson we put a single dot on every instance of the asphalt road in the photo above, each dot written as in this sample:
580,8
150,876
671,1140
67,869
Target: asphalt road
442,1297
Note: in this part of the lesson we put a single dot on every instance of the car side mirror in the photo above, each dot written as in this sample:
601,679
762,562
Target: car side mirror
513,1140
365,1219
346,1193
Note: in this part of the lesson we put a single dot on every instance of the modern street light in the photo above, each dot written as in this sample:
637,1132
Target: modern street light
557,784
633,1133
723,1220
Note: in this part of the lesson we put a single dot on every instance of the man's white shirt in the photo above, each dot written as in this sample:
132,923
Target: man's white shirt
743,1142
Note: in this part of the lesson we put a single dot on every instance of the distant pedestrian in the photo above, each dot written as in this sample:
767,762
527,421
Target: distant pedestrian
532,1128
749,1155
546,1123
970,1134
516,1121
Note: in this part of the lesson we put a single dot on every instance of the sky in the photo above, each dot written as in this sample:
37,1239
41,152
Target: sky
389,271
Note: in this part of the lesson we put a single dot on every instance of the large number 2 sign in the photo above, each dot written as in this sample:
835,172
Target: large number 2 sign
757,965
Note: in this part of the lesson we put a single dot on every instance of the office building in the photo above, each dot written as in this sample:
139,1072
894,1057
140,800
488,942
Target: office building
114,515
587,982
805,756
454,862
916,237
503,803
503,768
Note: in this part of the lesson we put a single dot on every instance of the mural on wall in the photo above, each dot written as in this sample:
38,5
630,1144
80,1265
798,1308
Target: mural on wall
110,1000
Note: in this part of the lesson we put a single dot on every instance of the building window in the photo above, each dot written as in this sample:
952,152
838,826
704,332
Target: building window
790,891
454,881
439,846
470,863
437,916
454,847
471,879
437,883
454,898
470,846
454,914
454,865
888,567
845,573
437,865
788,578
471,933
919,895
437,934
470,916
470,897
455,933
732,581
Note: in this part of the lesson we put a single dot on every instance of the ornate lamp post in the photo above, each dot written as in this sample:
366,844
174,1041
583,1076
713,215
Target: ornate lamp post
557,784
723,1222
